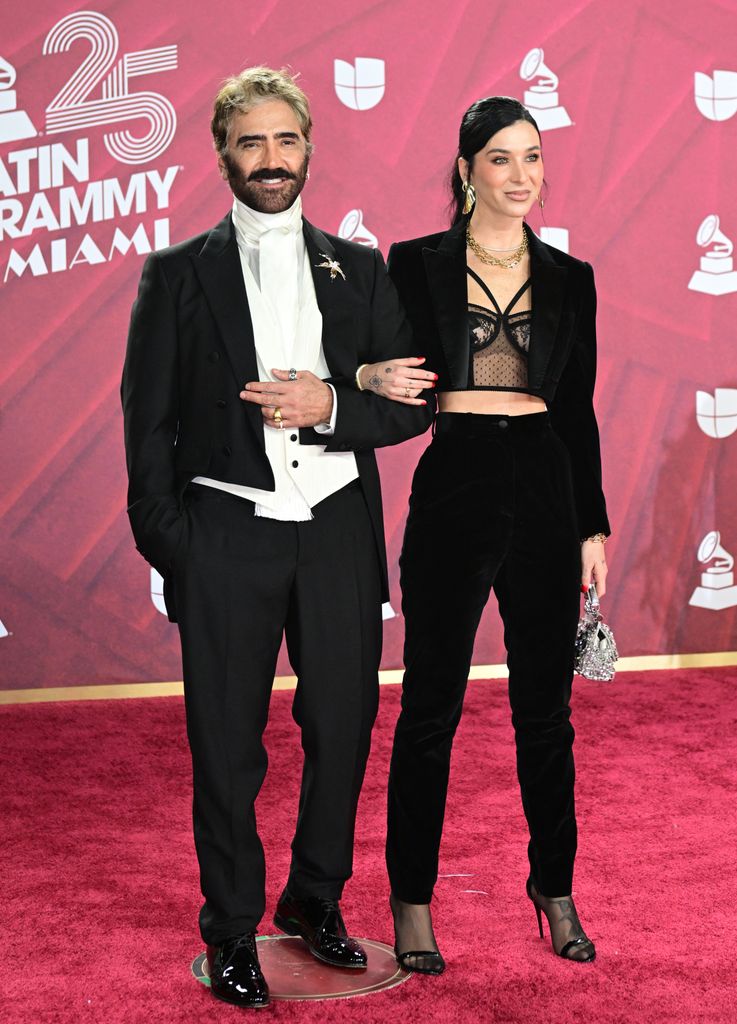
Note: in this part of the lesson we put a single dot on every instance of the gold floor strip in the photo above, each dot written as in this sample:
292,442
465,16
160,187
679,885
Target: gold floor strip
122,691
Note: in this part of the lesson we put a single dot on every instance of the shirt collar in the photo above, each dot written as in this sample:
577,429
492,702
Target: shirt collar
250,225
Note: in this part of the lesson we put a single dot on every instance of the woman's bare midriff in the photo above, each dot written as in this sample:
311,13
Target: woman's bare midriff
500,403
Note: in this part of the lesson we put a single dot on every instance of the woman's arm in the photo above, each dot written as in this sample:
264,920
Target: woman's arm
574,420
400,380
593,566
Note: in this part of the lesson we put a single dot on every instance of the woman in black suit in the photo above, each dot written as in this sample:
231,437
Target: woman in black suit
508,495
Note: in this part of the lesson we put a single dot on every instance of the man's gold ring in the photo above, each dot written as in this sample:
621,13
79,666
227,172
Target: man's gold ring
277,414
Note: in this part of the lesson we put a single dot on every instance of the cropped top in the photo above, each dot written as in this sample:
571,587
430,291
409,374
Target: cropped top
500,343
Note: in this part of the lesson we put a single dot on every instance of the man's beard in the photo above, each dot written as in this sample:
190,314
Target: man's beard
264,200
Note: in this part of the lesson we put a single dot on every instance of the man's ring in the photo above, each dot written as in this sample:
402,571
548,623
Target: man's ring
292,374
277,414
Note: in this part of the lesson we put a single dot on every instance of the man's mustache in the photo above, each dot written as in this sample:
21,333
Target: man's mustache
270,175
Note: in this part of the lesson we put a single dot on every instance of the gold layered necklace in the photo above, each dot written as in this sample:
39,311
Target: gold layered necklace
486,255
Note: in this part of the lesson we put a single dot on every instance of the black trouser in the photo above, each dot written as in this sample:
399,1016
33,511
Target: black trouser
491,506
241,582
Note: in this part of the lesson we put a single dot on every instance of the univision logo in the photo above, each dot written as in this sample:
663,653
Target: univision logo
716,95
360,86
717,414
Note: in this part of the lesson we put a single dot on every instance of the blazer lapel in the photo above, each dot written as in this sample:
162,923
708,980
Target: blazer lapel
446,274
218,269
333,297
549,281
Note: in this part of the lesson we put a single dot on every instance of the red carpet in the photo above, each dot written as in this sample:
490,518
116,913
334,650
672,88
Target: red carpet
100,893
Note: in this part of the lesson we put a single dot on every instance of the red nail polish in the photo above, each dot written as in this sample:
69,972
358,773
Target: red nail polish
584,588
436,377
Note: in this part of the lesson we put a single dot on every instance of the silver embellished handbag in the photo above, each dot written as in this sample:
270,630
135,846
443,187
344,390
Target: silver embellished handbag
596,648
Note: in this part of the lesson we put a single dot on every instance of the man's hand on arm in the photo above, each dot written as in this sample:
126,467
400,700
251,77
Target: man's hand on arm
305,401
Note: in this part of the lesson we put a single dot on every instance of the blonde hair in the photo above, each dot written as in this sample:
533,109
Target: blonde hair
240,93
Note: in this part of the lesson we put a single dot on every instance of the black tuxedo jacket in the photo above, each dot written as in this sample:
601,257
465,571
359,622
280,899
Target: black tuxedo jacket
191,350
430,275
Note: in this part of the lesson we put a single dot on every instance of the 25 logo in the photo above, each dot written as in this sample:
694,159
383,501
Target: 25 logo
73,109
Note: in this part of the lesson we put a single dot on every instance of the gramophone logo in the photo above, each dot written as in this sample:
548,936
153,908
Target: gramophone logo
157,592
353,229
542,98
557,237
716,95
360,86
14,124
717,590
717,414
716,275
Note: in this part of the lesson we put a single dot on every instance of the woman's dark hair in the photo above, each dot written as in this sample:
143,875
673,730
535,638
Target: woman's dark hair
483,119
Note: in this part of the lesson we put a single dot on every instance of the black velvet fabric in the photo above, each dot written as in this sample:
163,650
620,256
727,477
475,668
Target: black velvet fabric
431,277
492,506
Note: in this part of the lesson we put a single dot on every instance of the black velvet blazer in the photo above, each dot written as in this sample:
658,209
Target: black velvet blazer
430,276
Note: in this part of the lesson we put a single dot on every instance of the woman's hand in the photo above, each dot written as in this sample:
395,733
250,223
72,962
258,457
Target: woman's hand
400,380
593,566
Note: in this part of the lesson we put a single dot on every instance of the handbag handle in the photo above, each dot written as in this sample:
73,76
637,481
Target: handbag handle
592,604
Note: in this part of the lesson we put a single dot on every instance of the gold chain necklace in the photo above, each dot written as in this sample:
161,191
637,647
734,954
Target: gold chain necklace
485,255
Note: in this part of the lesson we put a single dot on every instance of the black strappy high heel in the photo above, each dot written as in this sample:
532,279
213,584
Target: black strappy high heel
579,948
425,961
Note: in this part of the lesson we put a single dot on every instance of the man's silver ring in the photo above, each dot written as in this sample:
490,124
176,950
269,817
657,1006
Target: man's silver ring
292,374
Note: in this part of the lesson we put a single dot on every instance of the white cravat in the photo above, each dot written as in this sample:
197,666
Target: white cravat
278,239
287,327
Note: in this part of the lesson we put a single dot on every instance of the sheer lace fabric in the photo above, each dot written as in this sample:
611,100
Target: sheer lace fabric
500,342
414,936
566,932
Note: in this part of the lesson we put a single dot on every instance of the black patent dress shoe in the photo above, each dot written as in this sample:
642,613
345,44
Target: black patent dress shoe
319,922
235,973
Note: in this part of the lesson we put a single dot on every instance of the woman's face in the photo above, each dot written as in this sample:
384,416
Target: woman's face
508,172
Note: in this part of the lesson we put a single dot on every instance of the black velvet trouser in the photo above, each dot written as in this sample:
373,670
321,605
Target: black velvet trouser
491,506
242,582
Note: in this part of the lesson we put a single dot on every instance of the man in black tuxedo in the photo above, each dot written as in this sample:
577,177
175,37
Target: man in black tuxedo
255,493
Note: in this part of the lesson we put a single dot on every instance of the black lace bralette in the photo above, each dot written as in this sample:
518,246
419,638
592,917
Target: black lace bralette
500,342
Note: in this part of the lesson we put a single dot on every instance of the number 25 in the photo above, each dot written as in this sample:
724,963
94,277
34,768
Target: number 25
72,109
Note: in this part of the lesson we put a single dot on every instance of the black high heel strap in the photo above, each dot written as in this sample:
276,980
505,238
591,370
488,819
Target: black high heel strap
580,941
437,968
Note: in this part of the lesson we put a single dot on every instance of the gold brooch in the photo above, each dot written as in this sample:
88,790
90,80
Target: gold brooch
332,265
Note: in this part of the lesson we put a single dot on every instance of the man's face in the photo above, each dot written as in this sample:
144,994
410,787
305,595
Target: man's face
266,161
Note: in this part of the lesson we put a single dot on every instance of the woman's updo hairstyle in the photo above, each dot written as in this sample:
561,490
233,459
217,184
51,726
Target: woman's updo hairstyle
483,119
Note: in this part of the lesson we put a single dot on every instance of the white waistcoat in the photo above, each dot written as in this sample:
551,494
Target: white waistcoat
285,337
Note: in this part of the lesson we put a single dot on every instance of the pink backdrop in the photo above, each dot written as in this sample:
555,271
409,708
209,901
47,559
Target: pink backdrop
631,179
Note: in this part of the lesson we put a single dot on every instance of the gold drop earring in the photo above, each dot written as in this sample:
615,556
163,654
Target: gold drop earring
470,193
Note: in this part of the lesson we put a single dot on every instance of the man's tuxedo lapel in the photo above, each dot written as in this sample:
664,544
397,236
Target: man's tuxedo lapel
333,295
218,269
446,274
549,281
